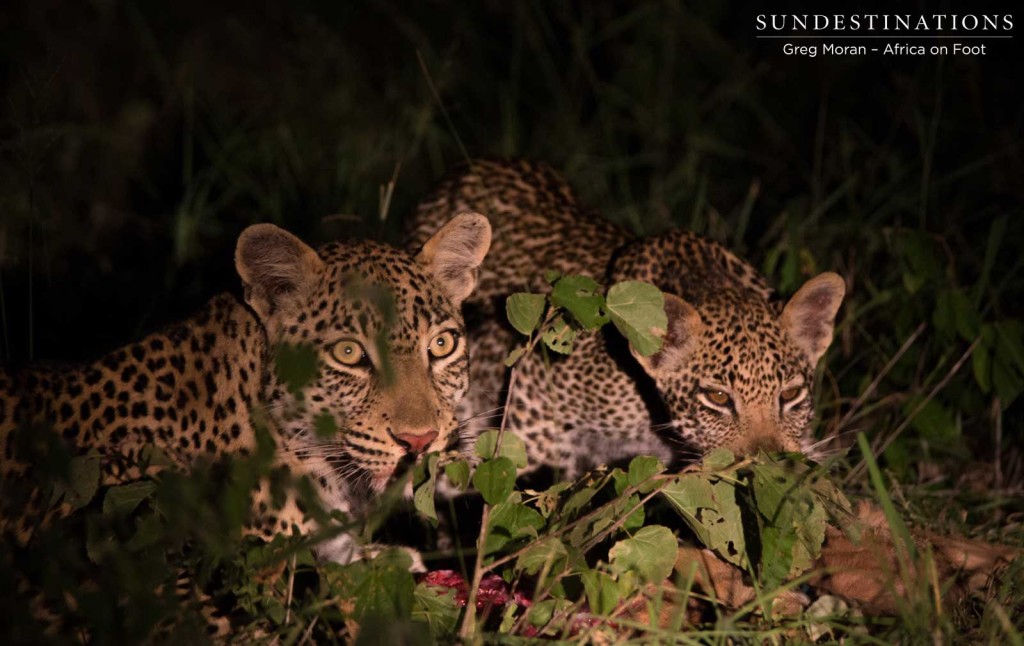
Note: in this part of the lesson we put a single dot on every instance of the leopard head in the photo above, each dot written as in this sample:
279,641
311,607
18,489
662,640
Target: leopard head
385,328
734,371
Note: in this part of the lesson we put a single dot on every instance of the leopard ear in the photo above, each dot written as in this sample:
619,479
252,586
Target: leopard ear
277,268
455,252
809,317
684,326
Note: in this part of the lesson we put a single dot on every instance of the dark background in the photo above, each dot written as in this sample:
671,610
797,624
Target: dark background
139,138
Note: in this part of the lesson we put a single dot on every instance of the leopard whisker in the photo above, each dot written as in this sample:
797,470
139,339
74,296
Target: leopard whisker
482,415
834,437
663,426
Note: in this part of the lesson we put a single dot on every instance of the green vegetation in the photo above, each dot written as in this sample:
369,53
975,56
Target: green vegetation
139,139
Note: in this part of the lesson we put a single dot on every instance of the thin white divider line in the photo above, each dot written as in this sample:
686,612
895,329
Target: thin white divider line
890,37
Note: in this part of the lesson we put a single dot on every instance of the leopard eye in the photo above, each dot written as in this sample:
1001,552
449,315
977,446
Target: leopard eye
349,352
715,398
718,397
443,344
789,394
792,396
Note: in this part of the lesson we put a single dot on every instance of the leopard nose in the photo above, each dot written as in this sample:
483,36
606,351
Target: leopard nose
750,445
766,444
415,443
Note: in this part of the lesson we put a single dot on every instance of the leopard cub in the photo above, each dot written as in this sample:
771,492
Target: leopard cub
386,329
736,369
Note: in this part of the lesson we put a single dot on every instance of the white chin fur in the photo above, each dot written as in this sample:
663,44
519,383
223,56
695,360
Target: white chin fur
383,481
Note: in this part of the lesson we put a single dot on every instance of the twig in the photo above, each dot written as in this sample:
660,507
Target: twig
440,105
291,588
997,419
586,517
606,532
857,471
543,593
870,390
469,619
309,630
387,192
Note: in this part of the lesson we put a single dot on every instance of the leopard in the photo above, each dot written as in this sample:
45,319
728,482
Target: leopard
736,368
383,325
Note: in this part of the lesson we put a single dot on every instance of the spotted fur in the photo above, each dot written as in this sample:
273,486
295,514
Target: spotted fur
736,369
388,335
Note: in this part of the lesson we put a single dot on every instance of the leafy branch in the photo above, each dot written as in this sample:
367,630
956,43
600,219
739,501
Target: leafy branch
575,304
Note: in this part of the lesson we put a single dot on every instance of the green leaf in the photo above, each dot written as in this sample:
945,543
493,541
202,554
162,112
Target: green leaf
966,318
1007,382
511,521
955,315
544,611
921,259
934,421
515,355
602,592
1009,341
772,489
297,366
593,524
524,311
99,544
792,517
651,553
1008,360
776,561
148,531
636,519
83,479
581,297
274,609
638,311
494,479
629,584
123,499
943,316
382,587
708,505
559,336
511,447
810,531
621,480
508,617
547,501
436,607
718,459
423,495
772,486
578,500
641,469
324,425
551,276
981,366
458,473
547,552
607,516
996,238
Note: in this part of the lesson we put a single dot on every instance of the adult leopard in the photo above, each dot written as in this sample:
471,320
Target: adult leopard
736,368
386,329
